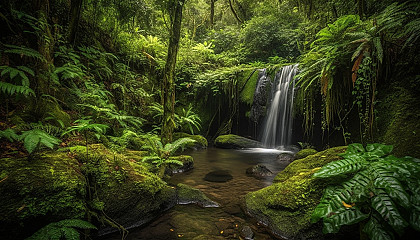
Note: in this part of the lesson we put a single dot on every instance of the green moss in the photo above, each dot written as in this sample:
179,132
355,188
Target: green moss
398,125
247,94
305,152
235,141
286,206
200,141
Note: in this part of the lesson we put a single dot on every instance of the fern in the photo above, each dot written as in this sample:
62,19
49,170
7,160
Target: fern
381,185
21,50
36,138
64,229
18,74
9,134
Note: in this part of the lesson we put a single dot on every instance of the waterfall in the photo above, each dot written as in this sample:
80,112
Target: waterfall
277,131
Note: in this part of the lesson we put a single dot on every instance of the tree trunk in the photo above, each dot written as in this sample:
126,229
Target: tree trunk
45,47
212,14
168,124
234,12
75,9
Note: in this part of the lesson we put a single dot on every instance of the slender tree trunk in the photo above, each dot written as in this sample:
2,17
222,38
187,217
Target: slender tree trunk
168,125
212,14
75,9
234,12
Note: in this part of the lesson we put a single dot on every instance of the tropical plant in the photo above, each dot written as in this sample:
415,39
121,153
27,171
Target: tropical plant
160,155
36,138
187,119
19,78
64,229
381,189
85,126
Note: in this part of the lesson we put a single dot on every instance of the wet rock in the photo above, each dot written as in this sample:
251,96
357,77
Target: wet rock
232,141
287,205
247,233
188,195
285,157
259,171
218,176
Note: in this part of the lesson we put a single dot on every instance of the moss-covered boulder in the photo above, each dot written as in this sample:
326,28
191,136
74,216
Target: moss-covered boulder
232,141
286,206
188,195
187,165
50,187
304,153
200,141
53,186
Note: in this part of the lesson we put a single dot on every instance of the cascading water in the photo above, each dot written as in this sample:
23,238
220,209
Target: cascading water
277,131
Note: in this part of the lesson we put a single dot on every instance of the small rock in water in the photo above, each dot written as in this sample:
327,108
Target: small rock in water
259,171
286,157
218,176
247,233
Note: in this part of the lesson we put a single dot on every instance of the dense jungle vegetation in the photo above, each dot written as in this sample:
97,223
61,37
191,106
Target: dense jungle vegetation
78,77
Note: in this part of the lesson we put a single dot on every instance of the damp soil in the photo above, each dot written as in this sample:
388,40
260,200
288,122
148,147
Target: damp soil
221,175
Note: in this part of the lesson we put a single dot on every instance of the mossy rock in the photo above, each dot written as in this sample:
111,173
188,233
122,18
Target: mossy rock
304,153
189,195
286,206
187,164
232,141
200,141
50,187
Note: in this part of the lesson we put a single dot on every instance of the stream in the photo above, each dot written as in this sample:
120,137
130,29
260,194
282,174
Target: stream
226,221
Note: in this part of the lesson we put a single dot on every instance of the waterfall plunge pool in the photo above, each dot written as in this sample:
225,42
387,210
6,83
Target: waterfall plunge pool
226,221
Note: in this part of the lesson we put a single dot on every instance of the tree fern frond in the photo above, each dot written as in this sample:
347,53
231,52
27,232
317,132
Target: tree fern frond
180,143
21,50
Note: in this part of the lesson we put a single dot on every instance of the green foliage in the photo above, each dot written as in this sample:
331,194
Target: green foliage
159,155
187,119
16,75
85,125
64,229
9,134
35,139
381,188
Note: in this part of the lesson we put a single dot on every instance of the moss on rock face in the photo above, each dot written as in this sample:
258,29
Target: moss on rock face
200,141
287,205
398,122
49,187
304,153
52,186
232,141
187,164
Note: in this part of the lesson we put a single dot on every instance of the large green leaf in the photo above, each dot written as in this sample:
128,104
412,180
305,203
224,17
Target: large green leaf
345,216
385,180
378,150
384,205
376,230
352,164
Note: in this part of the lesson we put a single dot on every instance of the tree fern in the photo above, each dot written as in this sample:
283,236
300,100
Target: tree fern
64,229
383,189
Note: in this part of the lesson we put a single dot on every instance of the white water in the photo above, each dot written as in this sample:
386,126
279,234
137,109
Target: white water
277,131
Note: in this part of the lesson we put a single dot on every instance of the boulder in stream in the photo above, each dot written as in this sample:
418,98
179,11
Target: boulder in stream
287,205
259,171
218,176
232,141
188,195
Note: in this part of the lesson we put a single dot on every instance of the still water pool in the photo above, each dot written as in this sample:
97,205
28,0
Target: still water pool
226,221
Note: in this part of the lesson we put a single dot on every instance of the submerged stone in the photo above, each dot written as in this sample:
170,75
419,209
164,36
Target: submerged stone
218,176
247,233
232,141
